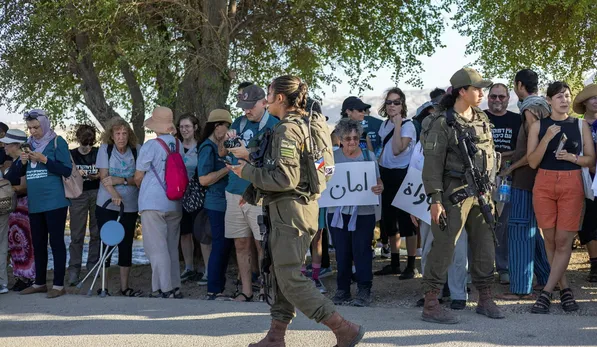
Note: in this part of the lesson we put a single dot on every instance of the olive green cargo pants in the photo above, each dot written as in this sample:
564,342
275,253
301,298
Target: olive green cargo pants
466,214
293,224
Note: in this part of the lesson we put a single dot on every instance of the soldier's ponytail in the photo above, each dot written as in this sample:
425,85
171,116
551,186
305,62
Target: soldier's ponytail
449,99
295,91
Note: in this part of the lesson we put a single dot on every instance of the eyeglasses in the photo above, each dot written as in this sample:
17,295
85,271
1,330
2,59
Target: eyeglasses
395,102
351,138
494,97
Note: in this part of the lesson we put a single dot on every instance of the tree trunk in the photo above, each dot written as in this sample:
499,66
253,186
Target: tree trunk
214,81
82,66
138,109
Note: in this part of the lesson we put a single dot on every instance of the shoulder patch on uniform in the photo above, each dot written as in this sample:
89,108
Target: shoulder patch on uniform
287,148
430,142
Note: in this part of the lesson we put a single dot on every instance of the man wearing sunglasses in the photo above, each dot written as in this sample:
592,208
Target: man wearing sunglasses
506,125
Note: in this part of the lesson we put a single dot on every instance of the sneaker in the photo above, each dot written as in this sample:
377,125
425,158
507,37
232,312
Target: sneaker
325,272
341,297
187,275
3,289
387,270
363,298
458,304
202,281
385,252
21,285
320,286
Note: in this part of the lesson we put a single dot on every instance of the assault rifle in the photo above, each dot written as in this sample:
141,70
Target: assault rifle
478,183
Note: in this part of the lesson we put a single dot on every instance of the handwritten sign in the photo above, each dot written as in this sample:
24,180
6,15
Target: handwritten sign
411,196
351,186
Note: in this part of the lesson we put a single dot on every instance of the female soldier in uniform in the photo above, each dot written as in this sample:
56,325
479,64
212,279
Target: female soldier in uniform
284,183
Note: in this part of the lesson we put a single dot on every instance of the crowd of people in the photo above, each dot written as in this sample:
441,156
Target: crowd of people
530,248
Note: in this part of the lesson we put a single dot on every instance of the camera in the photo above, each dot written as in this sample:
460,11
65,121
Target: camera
232,143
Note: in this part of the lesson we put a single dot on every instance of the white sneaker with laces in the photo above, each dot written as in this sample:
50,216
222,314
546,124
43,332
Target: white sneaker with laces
3,289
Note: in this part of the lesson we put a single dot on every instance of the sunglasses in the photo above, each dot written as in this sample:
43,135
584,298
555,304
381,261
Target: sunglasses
395,102
351,138
87,144
494,97
33,114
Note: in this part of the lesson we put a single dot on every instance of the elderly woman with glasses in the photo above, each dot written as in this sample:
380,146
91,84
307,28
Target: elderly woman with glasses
352,226
48,160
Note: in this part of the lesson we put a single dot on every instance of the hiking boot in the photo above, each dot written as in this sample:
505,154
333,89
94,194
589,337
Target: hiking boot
433,312
458,305
274,337
320,286
363,298
388,270
341,297
486,306
408,274
347,333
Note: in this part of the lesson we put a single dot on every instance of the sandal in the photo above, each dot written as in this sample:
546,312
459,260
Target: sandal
131,293
213,296
177,293
542,304
567,300
159,294
245,297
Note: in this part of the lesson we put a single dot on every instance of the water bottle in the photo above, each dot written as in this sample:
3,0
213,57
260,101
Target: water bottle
505,188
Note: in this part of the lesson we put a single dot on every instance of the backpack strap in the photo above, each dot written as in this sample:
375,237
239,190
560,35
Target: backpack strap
388,138
111,148
165,146
366,155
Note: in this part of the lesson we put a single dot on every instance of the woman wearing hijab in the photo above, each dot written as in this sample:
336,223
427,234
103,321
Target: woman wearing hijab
47,161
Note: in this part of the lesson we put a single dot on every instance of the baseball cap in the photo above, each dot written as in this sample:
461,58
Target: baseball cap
468,77
249,97
354,103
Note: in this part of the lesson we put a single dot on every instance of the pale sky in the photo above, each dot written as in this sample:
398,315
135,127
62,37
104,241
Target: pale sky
437,72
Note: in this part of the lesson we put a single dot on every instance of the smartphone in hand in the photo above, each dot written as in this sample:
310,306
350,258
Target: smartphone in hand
25,147
563,140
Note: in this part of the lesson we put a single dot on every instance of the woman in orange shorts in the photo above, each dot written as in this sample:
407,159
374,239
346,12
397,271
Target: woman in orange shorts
558,194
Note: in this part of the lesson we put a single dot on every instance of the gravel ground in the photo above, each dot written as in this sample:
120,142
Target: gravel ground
388,291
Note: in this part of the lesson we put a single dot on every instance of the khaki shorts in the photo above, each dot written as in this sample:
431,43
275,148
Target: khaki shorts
241,221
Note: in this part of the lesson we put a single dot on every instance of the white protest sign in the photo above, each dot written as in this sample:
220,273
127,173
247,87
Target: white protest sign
351,186
411,196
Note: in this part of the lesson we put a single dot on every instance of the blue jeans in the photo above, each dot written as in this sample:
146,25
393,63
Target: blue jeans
220,253
354,246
